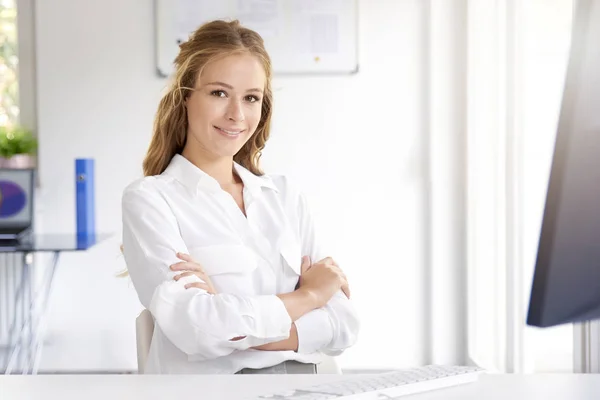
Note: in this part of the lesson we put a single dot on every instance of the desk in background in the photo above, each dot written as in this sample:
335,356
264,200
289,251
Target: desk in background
25,285
240,387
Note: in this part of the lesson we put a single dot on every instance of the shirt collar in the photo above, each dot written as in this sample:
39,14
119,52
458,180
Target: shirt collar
195,179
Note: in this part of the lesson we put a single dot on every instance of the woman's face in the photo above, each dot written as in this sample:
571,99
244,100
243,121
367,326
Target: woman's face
224,110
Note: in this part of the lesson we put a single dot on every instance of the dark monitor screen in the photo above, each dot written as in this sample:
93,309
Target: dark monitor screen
566,284
16,198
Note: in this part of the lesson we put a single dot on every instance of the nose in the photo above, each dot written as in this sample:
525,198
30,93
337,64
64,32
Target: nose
235,112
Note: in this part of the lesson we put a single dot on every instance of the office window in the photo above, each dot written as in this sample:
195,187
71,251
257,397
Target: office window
9,92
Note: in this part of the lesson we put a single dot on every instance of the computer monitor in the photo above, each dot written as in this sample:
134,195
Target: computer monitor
566,284
16,203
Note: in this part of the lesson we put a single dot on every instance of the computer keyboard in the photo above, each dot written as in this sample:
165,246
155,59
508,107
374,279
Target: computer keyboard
388,385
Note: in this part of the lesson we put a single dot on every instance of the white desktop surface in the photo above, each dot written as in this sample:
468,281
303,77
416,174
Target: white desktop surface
240,387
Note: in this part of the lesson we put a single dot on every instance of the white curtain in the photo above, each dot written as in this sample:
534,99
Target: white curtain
517,57
496,69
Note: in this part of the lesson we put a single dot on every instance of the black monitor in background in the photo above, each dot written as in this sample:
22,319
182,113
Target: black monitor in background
566,283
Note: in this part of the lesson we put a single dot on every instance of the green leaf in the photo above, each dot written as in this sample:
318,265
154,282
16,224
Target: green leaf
16,140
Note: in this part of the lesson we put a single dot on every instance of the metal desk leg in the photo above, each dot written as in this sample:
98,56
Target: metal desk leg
22,322
9,311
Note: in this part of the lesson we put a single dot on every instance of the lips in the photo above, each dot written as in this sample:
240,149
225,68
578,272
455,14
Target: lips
230,132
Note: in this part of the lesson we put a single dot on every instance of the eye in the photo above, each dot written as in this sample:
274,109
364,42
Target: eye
218,93
252,99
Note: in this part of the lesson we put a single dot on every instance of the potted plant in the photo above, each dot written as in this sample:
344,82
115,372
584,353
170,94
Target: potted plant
17,147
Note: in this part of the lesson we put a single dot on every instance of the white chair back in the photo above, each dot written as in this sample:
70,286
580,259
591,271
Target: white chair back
328,366
144,328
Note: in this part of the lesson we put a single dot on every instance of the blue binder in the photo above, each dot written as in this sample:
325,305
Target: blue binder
85,197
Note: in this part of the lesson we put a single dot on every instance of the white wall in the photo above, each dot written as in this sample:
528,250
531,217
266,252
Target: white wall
354,143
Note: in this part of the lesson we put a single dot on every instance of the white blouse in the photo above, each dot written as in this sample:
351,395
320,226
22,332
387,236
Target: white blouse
249,259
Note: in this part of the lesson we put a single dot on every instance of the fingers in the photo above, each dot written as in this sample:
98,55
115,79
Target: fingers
330,264
183,275
343,280
328,261
338,271
305,264
199,285
187,266
346,289
185,257
345,286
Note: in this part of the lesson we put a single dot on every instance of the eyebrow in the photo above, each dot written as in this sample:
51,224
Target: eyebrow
231,87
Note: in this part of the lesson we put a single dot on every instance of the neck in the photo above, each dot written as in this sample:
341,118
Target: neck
220,168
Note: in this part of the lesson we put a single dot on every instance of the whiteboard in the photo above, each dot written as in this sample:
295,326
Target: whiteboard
301,36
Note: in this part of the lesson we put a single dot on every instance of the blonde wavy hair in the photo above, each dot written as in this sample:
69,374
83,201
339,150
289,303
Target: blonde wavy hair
210,42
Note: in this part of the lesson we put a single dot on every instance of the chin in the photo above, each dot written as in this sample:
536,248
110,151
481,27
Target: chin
227,152
230,149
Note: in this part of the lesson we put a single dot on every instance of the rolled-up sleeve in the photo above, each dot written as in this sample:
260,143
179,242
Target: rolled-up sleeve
197,322
334,327
315,331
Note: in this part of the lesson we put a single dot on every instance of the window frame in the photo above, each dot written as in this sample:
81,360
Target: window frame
26,45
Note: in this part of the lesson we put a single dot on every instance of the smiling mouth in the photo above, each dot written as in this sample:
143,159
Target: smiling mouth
228,132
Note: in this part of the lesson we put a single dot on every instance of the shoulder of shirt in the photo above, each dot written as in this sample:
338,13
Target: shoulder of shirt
146,185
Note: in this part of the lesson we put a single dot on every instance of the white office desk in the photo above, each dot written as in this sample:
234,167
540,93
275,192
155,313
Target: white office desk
240,387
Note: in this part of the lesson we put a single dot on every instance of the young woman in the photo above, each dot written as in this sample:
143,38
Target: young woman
226,258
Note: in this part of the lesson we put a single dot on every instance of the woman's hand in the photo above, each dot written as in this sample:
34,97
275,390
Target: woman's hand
322,279
191,267
306,266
